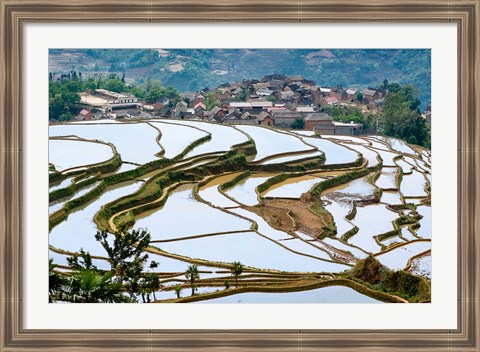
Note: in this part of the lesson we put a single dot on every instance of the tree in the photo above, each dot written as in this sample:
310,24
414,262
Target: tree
81,261
401,118
360,97
237,270
89,286
127,256
192,274
151,282
178,290
55,282
298,124
211,101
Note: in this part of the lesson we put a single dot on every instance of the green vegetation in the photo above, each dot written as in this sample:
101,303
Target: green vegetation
336,181
192,275
401,117
235,180
127,257
372,273
64,97
237,270
298,124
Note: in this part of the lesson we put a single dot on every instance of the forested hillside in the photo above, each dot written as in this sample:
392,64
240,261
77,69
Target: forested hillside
193,69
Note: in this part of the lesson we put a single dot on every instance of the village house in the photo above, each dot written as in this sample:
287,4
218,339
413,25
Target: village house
351,94
305,109
285,118
116,99
264,92
265,119
351,129
319,122
340,94
199,109
180,109
259,105
291,79
370,95
286,95
328,101
216,114
84,115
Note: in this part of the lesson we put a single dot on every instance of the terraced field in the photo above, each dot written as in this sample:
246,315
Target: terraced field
310,218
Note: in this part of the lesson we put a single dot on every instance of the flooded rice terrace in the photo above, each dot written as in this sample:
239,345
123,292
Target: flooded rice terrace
304,216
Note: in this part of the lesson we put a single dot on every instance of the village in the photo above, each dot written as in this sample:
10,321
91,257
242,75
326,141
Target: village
274,100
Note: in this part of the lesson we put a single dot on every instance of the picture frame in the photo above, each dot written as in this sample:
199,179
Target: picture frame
15,14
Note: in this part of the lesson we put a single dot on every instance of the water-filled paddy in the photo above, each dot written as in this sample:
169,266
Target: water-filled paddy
371,220
397,258
339,211
370,155
334,153
422,266
406,167
391,197
397,144
182,216
79,230
223,137
67,154
210,192
269,142
175,138
425,229
292,158
387,157
336,294
387,178
293,187
54,206
413,185
134,141
358,189
347,139
191,228
61,184
250,249
244,191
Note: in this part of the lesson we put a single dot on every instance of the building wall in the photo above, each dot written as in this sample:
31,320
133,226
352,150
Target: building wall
348,130
267,122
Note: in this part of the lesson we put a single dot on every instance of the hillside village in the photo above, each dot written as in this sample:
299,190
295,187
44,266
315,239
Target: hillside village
274,100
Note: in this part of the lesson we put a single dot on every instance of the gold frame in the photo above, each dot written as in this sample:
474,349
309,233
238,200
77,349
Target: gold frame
15,13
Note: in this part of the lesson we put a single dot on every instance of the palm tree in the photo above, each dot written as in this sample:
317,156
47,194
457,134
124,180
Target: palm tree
55,282
237,270
151,282
178,289
89,286
192,274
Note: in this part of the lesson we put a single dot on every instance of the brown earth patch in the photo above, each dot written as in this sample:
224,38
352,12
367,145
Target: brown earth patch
290,215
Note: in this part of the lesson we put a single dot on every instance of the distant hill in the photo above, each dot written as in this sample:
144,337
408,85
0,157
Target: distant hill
193,69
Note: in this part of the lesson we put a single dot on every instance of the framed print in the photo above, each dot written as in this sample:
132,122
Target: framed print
273,166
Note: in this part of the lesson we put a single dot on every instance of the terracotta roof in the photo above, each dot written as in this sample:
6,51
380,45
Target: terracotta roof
369,92
331,100
200,105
